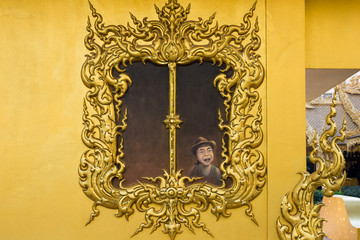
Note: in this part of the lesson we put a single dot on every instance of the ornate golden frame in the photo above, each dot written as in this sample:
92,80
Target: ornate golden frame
172,40
300,218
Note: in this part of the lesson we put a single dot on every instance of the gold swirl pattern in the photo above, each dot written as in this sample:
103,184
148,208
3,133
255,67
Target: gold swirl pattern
175,200
299,217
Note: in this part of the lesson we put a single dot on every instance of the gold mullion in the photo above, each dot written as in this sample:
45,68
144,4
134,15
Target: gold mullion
172,120
172,88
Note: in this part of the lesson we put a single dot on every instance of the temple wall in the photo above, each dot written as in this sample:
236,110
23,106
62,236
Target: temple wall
41,116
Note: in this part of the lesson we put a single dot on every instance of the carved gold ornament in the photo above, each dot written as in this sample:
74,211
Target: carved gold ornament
173,201
299,217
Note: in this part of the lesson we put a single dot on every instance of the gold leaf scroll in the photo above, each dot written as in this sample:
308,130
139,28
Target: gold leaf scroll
299,217
170,41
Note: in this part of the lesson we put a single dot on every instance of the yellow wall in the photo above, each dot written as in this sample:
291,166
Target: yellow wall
41,111
332,34
285,101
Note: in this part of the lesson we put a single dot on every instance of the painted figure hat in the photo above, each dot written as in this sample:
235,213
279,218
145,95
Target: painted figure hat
202,141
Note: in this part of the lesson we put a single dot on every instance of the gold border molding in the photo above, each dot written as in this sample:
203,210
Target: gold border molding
299,217
173,201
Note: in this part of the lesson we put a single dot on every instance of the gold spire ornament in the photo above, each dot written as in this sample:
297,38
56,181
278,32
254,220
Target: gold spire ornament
170,41
299,217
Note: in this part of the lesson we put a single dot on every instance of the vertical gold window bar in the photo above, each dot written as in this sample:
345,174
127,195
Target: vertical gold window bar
172,120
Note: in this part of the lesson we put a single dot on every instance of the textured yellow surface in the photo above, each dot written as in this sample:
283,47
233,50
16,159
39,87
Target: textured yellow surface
285,101
41,107
332,33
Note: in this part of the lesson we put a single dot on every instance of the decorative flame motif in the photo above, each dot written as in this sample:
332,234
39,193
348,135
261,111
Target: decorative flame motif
299,216
172,40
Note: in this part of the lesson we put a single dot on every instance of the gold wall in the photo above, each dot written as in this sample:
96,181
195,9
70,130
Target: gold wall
285,101
332,34
41,108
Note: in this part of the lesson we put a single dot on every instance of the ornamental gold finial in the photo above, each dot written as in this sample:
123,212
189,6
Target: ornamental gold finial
172,15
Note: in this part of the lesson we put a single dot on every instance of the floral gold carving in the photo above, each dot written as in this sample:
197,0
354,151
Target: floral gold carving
173,201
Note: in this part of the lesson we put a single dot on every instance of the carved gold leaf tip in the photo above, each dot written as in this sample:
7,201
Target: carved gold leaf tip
93,10
94,214
90,4
253,7
156,8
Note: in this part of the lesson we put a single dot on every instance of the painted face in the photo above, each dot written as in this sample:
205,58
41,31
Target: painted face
205,155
